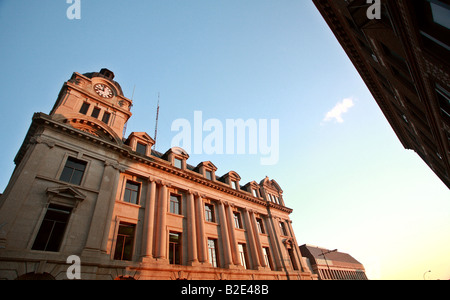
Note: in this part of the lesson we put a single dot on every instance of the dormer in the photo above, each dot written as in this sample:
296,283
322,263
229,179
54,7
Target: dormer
271,191
140,142
93,102
207,169
177,157
253,188
232,179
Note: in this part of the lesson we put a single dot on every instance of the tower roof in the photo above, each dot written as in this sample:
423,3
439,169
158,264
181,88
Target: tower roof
106,74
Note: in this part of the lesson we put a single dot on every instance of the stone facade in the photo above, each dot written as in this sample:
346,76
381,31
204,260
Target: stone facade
81,188
403,57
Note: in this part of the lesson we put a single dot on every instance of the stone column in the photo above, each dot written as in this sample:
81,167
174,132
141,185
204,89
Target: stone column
191,230
258,240
149,220
161,246
276,244
233,241
228,259
251,239
201,241
298,256
97,240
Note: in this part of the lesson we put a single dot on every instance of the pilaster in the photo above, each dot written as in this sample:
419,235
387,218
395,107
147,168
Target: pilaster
161,228
251,239
228,258
191,230
149,220
104,206
201,240
233,240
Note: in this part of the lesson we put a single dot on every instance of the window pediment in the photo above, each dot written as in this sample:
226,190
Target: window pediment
143,137
233,176
271,184
65,195
207,165
140,142
177,151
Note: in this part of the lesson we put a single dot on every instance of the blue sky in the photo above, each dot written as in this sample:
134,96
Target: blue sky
351,184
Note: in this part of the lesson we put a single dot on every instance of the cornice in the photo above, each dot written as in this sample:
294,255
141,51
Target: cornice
153,162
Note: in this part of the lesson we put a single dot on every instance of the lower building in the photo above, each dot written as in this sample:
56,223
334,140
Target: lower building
83,193
332,265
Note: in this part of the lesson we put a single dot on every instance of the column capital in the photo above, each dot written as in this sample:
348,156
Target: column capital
41,140
163,183
114,164
230,204
251,211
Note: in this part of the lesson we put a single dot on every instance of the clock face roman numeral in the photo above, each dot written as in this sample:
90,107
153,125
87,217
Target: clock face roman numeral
103,91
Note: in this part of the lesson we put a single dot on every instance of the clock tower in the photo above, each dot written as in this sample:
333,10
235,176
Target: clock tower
94,103
82,192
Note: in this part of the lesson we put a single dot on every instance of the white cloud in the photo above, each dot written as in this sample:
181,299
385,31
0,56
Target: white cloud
337,111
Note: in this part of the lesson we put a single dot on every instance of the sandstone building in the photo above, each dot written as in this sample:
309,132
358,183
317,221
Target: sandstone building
81,188
401,49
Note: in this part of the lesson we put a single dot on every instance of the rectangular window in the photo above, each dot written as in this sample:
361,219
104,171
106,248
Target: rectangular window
243,254
212,251
283,229
237,220
174,248
254,193
267,257
124,242
95,112
84,108
208,175
177,163
440,12
405,78
52,229
395,56
433,20
209,213
141,148
292,257
260,224
131,194
73,171
106,116
175,204
233,184
444,102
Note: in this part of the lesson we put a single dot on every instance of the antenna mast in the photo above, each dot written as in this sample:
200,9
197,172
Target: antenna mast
156,125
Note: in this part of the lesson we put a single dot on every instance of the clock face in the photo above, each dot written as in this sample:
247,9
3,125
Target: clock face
103,90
